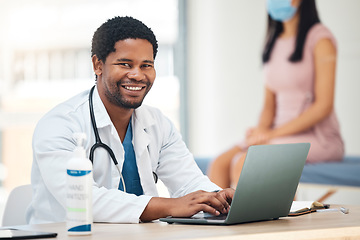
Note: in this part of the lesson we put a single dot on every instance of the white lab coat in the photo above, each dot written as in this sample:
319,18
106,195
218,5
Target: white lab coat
158,148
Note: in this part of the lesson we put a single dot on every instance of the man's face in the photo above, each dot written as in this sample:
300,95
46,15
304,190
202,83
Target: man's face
128,73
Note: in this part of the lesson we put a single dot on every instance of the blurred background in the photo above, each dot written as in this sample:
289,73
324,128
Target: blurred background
209,73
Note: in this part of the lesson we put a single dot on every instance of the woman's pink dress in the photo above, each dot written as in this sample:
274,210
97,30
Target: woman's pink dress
293,84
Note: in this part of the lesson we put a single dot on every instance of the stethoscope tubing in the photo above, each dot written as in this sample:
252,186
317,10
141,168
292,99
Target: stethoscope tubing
98,142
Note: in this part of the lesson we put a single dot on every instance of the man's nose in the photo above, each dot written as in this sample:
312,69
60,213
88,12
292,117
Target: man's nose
136,74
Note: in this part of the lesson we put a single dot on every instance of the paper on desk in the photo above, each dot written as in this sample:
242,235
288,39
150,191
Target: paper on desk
302,205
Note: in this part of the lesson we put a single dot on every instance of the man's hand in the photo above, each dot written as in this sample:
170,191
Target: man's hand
188,205
227,194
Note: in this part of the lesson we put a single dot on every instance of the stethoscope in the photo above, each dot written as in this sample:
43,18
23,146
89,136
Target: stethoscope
100,144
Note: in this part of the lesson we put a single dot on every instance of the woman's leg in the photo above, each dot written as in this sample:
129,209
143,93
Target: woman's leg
219,169
236,168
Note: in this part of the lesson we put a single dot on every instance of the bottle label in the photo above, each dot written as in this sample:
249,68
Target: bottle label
78,173
81,228
79,200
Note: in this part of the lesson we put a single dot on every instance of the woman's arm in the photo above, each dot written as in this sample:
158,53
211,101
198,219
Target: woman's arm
324,88
268,111
260,133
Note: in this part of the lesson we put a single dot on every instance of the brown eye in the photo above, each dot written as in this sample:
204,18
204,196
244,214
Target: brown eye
123,64
147,66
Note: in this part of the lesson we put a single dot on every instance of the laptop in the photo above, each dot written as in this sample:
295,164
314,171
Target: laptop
266,187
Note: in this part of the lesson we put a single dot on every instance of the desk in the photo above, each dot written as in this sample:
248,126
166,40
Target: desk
317,225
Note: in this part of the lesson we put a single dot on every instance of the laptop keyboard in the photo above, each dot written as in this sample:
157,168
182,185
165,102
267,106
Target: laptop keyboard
219,217
209,216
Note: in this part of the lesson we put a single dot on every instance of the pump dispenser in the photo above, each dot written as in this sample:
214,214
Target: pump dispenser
79,190
79,150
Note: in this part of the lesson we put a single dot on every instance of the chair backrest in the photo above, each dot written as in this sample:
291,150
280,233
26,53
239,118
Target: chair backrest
16,205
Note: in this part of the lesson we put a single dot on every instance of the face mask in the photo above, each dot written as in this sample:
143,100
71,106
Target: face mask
280,10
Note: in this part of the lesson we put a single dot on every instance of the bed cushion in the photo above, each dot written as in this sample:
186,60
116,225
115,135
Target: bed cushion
345,173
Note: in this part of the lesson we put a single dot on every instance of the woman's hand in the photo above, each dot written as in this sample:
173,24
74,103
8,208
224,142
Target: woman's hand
256,136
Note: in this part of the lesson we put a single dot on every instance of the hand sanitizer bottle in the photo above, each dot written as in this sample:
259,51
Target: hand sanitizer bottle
79,190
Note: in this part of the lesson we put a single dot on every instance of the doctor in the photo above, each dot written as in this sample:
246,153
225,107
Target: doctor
144,143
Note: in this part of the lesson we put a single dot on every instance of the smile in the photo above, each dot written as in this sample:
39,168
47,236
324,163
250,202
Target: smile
133,88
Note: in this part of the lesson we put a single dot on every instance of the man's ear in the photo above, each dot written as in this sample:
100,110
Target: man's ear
97,65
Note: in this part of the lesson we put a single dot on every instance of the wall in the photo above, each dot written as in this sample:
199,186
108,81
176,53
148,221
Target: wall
225,76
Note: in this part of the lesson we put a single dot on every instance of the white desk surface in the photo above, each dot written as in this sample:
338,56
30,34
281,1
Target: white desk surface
317,225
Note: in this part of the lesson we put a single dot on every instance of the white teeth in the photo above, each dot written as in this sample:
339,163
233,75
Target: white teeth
133,88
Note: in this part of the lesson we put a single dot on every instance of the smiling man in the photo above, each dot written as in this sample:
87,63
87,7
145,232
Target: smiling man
130,145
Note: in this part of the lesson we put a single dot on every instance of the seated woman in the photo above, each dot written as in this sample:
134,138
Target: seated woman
299,60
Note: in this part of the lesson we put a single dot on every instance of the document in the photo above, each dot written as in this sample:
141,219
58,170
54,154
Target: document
303,207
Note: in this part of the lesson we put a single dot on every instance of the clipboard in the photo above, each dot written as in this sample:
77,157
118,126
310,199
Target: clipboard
12,233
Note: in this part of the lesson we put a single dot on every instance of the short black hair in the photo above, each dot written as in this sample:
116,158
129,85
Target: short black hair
120,28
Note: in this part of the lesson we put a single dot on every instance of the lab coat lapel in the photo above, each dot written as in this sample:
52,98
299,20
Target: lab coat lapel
141,140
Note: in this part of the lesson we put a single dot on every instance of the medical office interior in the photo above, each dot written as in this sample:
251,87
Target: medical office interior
209,73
